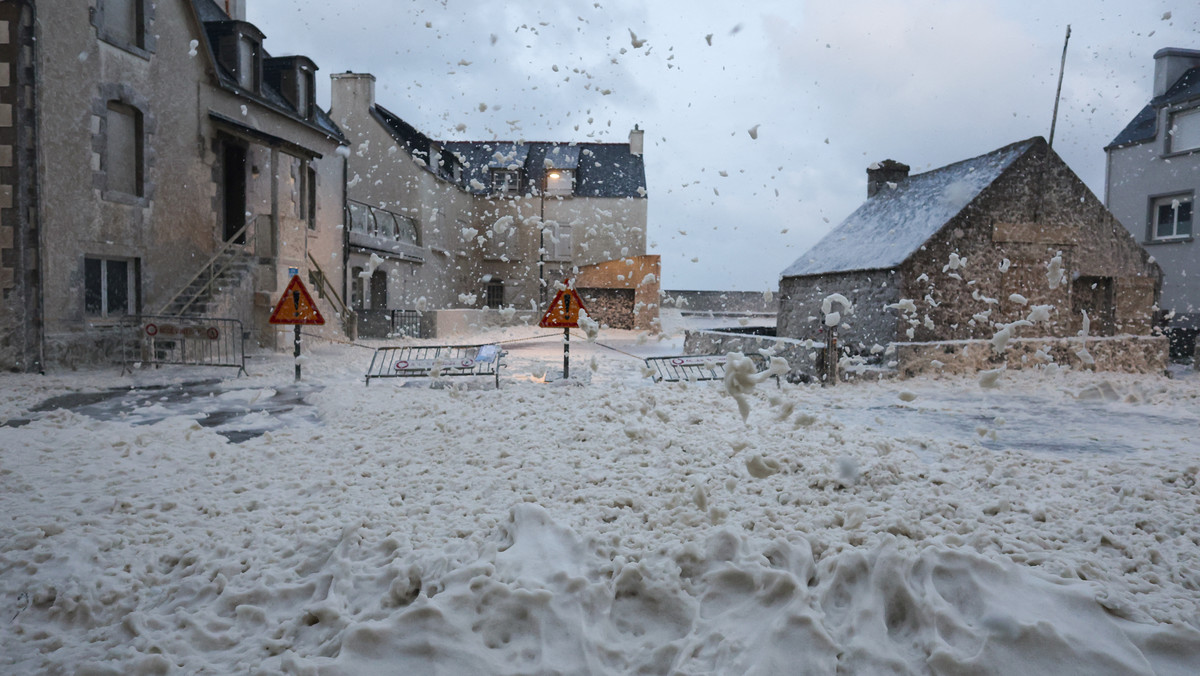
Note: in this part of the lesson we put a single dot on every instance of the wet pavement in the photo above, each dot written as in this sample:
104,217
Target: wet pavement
237,414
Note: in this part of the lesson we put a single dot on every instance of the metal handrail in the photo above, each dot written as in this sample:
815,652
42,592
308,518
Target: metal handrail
209,267
327,289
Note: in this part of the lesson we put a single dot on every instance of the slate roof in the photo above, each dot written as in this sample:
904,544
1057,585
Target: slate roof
601,169
210,13
1144,126
895,222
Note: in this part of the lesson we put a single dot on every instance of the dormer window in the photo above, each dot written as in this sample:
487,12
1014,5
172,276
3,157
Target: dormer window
560,181
238,47
506,181
294,77
247,68
1184,131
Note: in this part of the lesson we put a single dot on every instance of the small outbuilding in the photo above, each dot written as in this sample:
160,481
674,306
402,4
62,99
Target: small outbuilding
1005,258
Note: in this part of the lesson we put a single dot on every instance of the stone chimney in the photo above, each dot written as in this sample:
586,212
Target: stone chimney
350,92
236,9
1171,63
880,174
636,141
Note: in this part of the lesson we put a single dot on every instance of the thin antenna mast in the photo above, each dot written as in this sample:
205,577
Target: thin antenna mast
1058,94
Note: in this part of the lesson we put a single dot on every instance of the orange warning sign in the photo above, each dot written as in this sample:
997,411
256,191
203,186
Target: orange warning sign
563,312
296,306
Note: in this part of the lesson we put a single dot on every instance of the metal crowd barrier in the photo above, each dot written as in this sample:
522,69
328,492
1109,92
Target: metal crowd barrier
186,341
435,361
696,367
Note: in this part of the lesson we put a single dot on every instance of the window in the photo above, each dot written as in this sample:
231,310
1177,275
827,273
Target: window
560,248
406,230
123,22
360,219
123,149
248,66
1184,131
385,224
357,293
560,182
109,287
494,294
506,181
1172,217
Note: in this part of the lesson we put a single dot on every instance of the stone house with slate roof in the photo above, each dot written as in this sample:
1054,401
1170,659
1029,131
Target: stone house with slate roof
439,225
936,264
1151,184
143,136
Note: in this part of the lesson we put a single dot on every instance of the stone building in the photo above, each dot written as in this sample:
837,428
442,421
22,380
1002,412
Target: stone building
1152,178
936,265
437,225
148,142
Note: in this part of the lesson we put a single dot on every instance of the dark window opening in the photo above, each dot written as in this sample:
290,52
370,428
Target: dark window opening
494,294
1094,295
356,289
109,287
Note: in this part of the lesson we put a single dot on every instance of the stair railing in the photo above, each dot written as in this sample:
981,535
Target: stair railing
325,288
216,264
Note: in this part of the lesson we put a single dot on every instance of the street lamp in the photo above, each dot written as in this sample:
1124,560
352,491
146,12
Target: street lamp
542,243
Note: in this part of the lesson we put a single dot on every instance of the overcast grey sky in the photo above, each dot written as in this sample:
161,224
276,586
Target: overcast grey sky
830,86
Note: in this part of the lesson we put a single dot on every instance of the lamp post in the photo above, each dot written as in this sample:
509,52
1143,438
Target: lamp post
542,243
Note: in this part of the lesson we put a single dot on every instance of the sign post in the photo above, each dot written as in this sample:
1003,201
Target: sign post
564,313
296,307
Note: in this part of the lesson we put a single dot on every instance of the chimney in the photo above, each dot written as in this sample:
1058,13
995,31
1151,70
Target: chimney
1170,64
350,92
880,174
236,9
636,141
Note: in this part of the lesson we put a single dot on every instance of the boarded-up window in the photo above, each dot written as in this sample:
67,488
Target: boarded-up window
123,22
123,149
247,65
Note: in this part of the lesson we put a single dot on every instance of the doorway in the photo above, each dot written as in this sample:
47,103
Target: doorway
233,175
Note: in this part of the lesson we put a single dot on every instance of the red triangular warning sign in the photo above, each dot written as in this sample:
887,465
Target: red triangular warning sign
563,312
296,306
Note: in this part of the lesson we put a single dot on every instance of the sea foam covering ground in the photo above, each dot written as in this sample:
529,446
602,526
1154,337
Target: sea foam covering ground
1047,525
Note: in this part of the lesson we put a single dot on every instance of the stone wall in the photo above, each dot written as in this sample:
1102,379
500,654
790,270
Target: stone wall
803,357
864,325
613,308
1124,354
722,302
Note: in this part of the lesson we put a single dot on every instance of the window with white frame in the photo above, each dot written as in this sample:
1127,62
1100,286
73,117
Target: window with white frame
560,236
506,181
1184,129
109,287
1172,217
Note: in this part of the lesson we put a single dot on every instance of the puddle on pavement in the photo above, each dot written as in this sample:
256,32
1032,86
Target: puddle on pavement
236,414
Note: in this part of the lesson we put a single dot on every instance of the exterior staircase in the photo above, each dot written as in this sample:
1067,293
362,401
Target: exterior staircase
224,270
